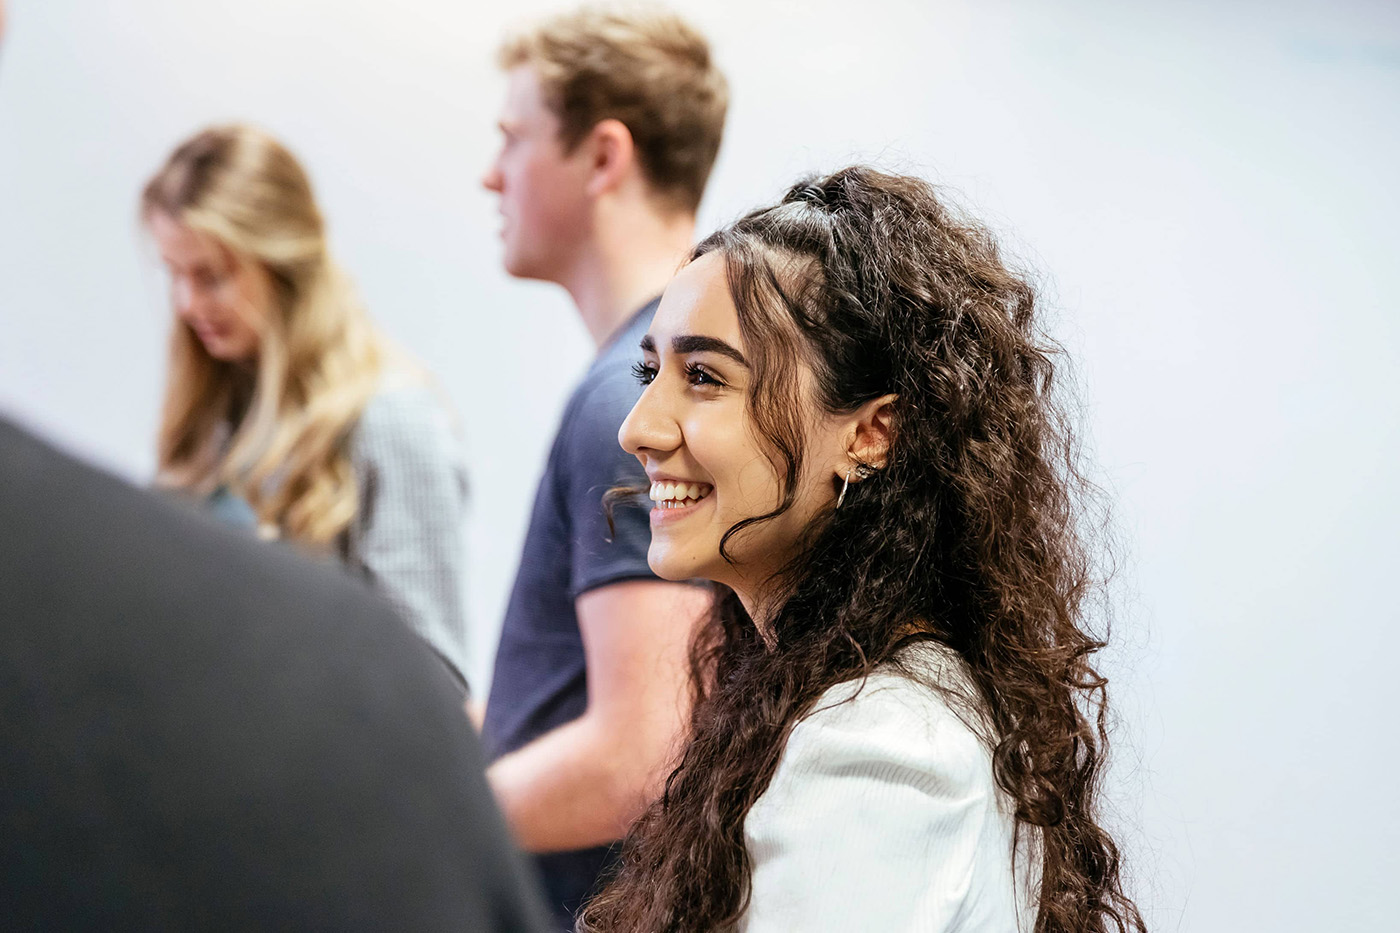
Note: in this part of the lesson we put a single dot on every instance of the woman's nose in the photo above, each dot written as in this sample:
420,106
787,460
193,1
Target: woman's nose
649,427
182,296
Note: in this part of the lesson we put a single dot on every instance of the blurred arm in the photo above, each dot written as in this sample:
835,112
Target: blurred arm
410,543
583,784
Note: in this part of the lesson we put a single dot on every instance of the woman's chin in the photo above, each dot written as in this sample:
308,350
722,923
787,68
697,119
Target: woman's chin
226,351
670,566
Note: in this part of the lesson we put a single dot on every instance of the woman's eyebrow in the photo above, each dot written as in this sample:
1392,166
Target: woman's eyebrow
691,343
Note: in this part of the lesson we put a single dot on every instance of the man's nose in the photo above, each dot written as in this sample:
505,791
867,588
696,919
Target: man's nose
491,181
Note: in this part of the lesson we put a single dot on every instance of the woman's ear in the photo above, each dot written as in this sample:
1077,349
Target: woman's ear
872,429
612,154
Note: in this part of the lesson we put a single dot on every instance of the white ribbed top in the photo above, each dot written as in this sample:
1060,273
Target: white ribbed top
884,816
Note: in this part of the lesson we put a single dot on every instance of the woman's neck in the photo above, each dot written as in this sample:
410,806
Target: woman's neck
762,604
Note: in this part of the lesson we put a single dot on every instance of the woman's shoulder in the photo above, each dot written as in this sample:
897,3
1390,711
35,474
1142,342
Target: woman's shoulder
887,785
406,403
925,684
405,392
408,420
919,713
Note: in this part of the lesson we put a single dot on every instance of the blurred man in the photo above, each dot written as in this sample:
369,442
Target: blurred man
200,731
611,124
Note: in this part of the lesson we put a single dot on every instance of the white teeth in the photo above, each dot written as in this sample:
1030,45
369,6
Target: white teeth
677,495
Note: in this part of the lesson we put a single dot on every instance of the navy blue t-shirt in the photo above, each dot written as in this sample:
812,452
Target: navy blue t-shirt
540,682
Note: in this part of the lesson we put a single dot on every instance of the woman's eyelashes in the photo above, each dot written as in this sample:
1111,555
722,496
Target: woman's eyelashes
695,373
645,372
698,375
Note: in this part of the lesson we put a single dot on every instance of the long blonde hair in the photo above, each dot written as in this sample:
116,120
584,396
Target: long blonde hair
276,436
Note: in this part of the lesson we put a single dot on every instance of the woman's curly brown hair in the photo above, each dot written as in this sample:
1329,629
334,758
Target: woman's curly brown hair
972,534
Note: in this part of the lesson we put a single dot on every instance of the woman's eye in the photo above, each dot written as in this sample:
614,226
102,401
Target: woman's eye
645,373
698,375
208,279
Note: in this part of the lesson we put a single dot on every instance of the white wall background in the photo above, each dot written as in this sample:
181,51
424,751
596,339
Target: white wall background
1208,188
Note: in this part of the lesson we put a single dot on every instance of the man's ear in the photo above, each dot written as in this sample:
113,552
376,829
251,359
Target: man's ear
611,153
872,429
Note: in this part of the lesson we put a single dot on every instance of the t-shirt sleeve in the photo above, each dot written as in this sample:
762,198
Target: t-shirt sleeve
594,462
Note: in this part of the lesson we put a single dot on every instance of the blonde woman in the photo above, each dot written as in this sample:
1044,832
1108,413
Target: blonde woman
283,403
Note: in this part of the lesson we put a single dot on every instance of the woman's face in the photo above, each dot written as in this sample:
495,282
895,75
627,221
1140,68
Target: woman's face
224,302
694,436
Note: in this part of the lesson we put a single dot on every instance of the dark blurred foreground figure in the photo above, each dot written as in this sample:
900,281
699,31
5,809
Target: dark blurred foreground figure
199,732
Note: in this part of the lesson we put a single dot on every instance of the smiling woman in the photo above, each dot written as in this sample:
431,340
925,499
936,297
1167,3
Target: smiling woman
692,427
284,407
850,428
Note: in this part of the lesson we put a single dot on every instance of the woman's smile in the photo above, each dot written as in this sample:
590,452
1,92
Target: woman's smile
675,499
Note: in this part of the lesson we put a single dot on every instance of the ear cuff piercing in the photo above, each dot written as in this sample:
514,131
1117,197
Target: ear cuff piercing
862,472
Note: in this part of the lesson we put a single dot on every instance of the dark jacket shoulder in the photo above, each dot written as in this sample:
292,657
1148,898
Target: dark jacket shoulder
204,730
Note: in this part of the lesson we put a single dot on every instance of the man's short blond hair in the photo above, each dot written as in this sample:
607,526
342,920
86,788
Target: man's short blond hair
643,66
